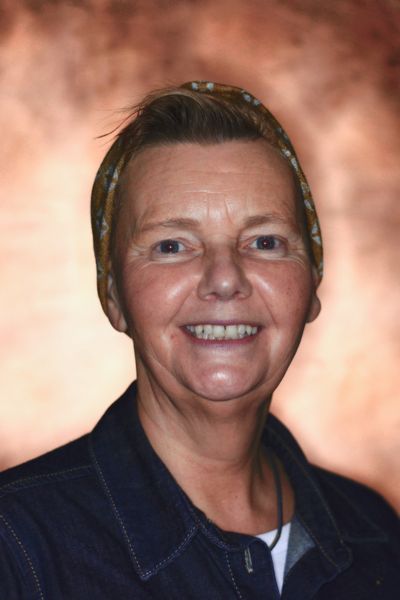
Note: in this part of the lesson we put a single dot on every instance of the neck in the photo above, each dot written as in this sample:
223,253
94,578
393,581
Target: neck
214,452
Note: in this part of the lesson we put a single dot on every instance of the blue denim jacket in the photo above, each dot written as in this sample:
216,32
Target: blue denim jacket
102,518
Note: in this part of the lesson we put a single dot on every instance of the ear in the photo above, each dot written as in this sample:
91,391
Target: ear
115,313
315,304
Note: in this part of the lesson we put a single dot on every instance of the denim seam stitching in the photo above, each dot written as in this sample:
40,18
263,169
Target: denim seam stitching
355,508
27,557
232,576
119,519
315,487
144,574
321,548
174,553
293,456
220,543
14,485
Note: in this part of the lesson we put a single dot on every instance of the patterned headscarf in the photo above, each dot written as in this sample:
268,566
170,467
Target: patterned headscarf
105,184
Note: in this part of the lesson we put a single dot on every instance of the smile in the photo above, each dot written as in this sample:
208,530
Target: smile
222,332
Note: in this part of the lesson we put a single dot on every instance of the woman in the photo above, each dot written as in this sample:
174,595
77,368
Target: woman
209,256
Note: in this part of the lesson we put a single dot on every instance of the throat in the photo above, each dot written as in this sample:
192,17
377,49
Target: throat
268,506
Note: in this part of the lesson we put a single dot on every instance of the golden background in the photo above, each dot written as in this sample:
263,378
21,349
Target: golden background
330,71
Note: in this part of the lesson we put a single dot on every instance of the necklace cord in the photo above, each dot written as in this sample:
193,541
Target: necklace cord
279,498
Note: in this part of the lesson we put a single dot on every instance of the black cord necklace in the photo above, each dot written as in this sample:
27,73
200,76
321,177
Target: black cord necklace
279,499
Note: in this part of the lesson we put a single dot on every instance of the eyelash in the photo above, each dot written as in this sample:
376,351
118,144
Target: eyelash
173,245
266,238
169,242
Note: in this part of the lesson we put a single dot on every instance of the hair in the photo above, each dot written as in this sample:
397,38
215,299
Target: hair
174,115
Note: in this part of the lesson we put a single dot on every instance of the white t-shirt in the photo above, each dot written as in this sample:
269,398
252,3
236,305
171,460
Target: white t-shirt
279,552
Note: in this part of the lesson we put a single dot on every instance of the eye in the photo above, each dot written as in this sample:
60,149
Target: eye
169,247
266,242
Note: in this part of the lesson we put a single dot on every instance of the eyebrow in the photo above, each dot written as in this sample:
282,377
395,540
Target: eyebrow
264,218
186,223
170,223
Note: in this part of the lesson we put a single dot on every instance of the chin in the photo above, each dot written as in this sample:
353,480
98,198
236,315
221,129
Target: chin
222,387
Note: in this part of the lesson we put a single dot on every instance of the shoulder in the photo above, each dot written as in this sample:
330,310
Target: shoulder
360,511
69,461
34,501
349,499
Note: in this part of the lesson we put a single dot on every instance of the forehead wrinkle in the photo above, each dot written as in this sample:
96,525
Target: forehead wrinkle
160,206
287,202
212,204
164,213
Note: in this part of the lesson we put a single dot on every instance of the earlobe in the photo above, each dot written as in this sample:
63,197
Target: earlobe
315,304
315,308
115,314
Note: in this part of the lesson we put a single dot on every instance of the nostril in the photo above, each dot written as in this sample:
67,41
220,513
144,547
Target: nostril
223,276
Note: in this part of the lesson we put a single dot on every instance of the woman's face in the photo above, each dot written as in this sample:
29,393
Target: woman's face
213,276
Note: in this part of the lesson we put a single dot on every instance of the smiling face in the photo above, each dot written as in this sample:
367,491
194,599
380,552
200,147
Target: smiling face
213,279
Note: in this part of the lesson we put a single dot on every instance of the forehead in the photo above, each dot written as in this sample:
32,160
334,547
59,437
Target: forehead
231,179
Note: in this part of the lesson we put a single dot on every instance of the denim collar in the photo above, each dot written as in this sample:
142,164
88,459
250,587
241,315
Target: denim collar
157,520
330,524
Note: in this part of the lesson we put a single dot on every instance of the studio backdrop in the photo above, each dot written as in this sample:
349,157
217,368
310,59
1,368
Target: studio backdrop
330,71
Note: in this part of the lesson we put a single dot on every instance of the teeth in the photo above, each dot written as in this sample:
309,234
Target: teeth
218,331
231,332
221,332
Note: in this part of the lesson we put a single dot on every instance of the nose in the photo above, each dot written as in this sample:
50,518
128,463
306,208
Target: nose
223,276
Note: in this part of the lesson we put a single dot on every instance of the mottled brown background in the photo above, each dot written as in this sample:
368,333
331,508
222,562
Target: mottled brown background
330,71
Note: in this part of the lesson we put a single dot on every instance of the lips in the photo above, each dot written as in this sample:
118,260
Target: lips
221,332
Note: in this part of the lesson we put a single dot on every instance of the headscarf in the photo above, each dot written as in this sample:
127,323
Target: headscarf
110,170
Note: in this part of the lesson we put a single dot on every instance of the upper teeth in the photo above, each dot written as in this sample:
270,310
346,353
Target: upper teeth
221,332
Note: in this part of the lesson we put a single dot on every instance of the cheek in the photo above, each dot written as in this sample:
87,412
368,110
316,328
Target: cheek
286,290
154,294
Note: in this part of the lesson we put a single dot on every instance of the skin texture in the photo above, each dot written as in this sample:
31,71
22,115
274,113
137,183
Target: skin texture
203,405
